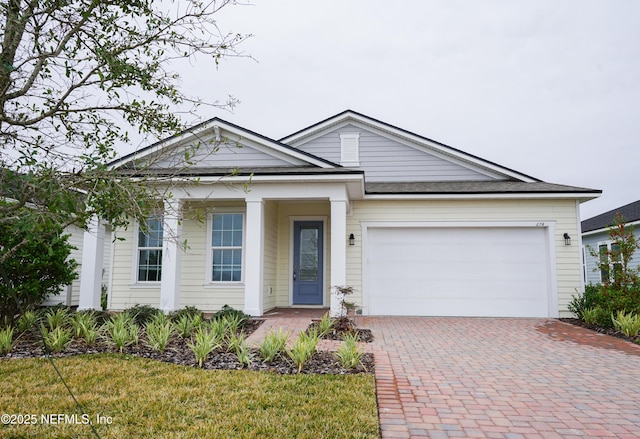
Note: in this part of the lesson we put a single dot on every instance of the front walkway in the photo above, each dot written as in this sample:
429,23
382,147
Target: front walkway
440,377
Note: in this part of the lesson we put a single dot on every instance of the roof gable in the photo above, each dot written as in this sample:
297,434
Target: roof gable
218,144
475,167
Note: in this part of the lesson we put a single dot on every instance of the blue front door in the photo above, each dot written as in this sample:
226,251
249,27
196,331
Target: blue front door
307,263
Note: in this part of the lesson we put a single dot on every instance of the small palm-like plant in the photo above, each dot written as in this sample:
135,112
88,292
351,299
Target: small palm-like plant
57,317
348,353
159,334
628,324
27,321
81,321
273,344
186,324
303,348
204,342
325,325
242,352
57,338
122,330
6,340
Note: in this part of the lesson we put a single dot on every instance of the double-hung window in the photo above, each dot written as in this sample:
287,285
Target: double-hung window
226,247
610,265
150,250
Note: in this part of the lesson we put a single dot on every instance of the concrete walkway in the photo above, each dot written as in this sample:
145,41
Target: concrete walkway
494,378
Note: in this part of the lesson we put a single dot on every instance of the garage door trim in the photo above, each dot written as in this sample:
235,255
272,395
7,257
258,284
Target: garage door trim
548,226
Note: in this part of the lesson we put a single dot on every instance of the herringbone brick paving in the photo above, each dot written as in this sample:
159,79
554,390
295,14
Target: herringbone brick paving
446,377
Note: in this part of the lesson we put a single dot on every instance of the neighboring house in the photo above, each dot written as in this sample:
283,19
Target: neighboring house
415,226
595,239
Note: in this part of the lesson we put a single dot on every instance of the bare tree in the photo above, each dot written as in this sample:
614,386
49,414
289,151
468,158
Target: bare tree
74,74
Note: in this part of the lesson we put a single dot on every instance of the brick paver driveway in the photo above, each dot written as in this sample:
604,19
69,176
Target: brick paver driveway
503,378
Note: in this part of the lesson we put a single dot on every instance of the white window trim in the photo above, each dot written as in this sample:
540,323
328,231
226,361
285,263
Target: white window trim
208,281
135,283
608,243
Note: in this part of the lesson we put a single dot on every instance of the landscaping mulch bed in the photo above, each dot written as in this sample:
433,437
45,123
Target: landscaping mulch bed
608,331
30,345
344,326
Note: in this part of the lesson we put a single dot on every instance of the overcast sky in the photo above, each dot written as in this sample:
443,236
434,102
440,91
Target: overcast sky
548,88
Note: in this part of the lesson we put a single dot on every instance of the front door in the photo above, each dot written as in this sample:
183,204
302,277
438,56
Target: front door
307,263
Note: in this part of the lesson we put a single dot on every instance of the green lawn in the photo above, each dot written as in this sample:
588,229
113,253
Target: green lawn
146,398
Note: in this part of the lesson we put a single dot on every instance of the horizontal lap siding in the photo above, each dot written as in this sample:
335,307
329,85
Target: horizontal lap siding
384,159
270,253
228,155
563,212
122,295
194,290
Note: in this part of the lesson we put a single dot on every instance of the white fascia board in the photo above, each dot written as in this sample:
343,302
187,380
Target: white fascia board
410,139
500,196
234,134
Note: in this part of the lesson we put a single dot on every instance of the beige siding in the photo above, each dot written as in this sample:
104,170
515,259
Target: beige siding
75,239
561,212
271,235
195,289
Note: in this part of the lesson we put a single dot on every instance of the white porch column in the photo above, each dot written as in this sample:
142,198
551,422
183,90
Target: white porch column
254,263
338,252
171,255
92,263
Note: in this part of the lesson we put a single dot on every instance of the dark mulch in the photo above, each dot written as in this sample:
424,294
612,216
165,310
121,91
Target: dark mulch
344,326
30,345
602,330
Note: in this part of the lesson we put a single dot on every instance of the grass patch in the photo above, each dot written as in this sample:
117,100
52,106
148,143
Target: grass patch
146,398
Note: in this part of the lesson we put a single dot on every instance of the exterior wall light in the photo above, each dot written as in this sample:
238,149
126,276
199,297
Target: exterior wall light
352,239
567,239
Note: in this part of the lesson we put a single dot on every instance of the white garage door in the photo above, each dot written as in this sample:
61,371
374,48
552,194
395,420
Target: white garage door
460,271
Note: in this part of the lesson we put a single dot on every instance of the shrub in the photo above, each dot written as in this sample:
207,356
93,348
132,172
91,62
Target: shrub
6,340
348,353
589,299
142,314
273,344
228,311
303,348
242,351
190,311
38,268
628,324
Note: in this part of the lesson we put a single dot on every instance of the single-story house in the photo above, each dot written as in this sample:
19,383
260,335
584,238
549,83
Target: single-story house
416,227
596,242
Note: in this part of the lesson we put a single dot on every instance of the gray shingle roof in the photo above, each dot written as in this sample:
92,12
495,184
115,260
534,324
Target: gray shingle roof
630,212
474,187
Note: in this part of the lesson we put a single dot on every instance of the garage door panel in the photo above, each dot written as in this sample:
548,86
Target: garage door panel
458,271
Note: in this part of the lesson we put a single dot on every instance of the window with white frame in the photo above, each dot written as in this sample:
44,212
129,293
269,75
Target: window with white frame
610,264
227,235
150,250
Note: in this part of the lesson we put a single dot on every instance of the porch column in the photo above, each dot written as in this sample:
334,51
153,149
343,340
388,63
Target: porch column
254,268
338,252
92,263
171,255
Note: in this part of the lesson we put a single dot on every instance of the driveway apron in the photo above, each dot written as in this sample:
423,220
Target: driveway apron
503,378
